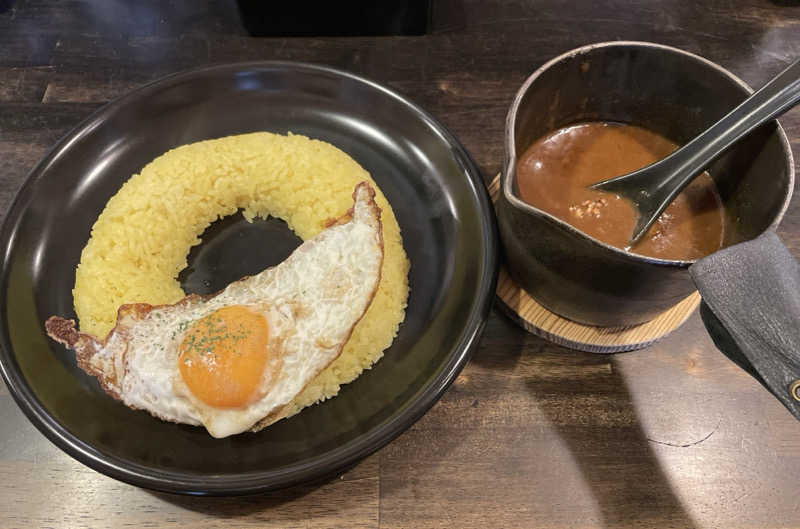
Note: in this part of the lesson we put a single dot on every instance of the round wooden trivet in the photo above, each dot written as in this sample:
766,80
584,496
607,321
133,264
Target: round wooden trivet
538,320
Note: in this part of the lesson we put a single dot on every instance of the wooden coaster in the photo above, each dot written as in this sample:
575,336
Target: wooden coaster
536,319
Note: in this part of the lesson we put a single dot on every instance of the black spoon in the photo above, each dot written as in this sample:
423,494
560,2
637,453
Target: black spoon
653,188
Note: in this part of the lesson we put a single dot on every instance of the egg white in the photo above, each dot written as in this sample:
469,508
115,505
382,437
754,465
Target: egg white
311,303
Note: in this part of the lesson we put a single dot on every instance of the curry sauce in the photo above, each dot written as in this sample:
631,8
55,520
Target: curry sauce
555,171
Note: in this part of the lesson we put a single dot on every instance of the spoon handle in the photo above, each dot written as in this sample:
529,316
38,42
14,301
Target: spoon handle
778,95
774,98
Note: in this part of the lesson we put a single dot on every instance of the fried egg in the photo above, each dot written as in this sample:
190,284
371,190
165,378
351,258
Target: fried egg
233,361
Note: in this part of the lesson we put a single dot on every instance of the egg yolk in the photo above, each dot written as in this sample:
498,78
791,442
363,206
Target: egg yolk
222,356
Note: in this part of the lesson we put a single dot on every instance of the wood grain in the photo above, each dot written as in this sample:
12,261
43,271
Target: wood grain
531,434
536,319
49,489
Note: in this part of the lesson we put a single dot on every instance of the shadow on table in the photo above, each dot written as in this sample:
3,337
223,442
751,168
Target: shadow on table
607,443
237,507
589,407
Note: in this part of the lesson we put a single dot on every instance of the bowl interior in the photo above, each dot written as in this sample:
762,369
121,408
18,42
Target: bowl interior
439,202
673,93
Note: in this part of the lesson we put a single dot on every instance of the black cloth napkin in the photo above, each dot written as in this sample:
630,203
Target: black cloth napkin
751,309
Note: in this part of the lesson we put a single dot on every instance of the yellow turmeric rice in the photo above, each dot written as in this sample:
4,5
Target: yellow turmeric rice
140,241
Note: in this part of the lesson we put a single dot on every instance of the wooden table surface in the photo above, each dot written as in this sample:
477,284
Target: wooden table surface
531,434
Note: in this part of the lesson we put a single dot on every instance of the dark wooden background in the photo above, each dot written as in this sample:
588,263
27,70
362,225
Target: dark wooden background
531,434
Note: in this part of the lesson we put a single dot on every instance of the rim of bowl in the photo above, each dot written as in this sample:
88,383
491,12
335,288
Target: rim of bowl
511,154
321,467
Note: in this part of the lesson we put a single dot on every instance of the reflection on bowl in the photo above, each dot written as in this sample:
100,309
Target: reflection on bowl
671,92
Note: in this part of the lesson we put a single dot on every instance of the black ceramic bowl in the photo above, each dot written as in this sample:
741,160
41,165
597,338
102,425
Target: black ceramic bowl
672,92
440,203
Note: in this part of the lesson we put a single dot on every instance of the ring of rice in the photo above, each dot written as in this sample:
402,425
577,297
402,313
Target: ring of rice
140,241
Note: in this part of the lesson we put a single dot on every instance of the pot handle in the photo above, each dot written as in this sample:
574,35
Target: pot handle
751,309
